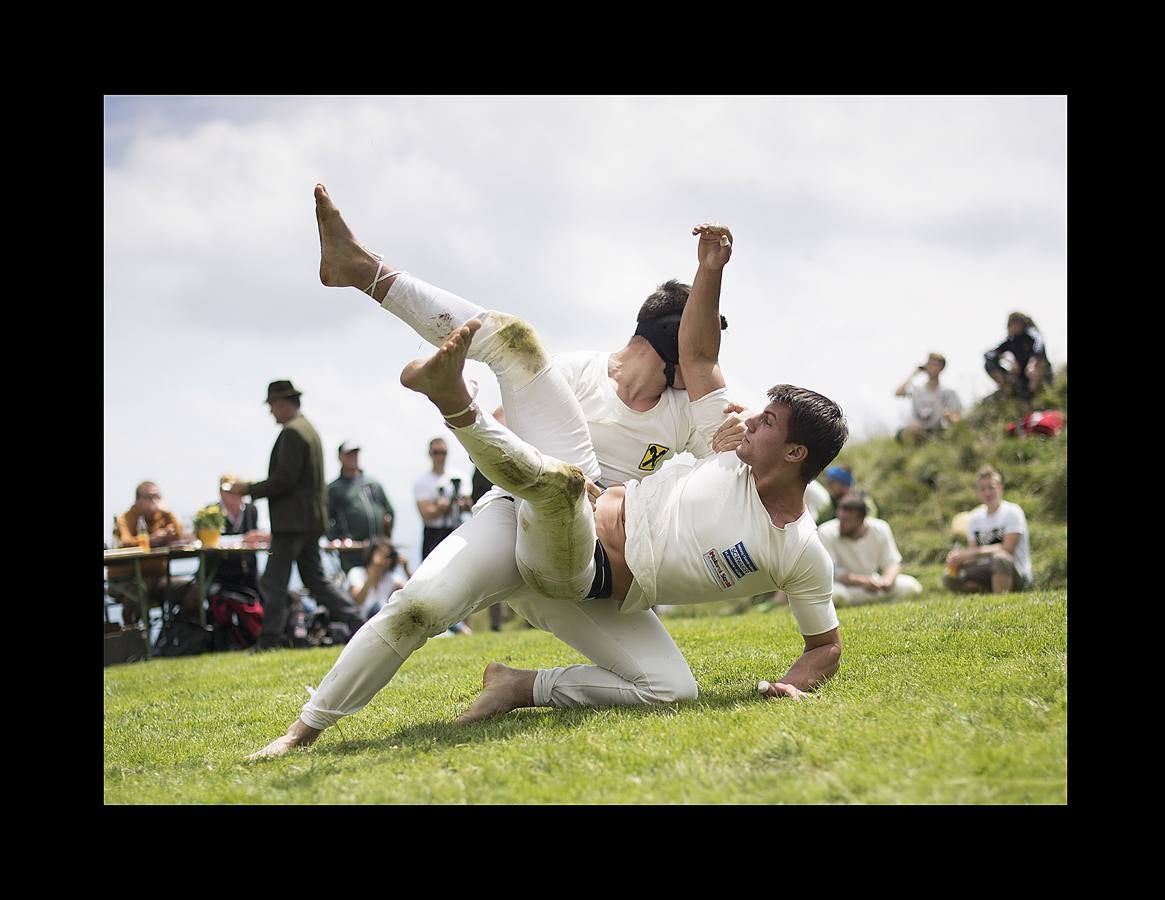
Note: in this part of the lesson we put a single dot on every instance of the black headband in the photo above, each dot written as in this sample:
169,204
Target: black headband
663,333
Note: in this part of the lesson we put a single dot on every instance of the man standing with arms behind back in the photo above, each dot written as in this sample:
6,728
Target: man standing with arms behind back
295,491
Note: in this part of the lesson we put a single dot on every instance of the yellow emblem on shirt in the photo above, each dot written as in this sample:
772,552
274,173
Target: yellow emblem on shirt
653,457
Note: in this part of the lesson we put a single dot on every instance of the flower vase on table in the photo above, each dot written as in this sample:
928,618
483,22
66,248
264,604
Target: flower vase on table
208,523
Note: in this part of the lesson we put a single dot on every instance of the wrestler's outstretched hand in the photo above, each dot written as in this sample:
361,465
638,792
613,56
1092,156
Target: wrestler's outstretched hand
715,246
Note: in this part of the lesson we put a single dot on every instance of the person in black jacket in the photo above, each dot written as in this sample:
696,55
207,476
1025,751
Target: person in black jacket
299,516
1026,345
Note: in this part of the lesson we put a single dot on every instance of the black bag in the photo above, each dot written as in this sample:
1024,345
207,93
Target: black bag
182,636
124,646
322,632
295,632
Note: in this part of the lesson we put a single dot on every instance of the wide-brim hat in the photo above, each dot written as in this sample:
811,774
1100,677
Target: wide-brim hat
280,390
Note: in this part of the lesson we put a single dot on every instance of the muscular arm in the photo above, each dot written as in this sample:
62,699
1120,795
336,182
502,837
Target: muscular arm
699,336
817,664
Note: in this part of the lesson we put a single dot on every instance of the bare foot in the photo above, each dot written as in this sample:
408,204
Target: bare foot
503,689
298,735
344,261
439,376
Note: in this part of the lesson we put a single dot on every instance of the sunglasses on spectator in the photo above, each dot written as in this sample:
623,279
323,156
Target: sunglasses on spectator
438,452
151,496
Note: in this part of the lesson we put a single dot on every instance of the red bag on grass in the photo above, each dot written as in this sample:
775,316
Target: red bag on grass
1042,423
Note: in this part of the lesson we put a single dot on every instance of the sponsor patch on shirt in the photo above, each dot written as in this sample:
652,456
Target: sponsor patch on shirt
653,457
739,561
720,573
994,536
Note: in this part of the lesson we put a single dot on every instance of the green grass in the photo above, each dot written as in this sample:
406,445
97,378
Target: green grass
946,699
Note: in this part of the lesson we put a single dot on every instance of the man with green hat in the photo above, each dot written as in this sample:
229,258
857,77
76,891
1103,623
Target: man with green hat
294,488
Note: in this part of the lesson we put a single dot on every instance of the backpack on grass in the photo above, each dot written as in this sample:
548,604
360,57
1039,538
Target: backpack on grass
237,616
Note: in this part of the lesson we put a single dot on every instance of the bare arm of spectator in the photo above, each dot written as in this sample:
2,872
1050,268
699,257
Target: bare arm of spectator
885,581
849,579
963,557
904,387
432,509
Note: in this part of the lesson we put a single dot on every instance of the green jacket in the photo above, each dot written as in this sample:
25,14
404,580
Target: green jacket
356,508
295,480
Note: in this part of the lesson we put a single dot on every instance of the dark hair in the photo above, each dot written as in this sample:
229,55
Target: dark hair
854,502
815,421
1026,320
435,441
376,543
669,297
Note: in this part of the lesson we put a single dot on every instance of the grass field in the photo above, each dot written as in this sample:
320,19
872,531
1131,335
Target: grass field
946,699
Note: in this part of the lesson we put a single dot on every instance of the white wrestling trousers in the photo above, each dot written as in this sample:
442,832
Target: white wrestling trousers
847,595
637,662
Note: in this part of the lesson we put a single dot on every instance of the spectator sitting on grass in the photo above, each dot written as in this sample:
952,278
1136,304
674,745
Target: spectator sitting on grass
998,556
934,407
867,567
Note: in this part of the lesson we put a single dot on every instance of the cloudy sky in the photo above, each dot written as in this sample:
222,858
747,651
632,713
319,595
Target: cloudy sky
869,231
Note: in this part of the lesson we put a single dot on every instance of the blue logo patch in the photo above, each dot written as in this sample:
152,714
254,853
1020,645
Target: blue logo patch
739,561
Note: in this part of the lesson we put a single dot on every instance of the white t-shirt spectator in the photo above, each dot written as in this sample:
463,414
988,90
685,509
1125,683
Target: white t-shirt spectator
426,488
390,581
929,405
871,554
985,528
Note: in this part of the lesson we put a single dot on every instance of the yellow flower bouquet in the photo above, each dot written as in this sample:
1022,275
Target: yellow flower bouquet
208,522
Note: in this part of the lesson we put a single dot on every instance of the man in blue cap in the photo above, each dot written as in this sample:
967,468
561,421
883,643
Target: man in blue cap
839,481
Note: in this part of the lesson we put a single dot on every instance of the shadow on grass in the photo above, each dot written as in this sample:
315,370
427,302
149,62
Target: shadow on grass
524,722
